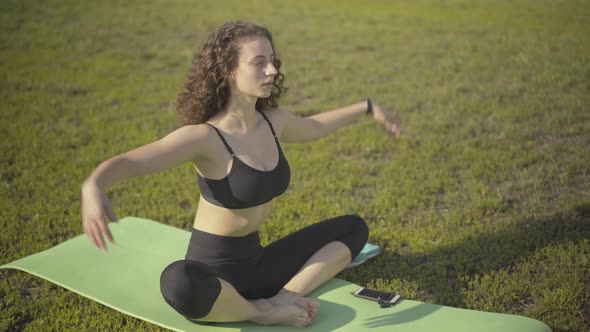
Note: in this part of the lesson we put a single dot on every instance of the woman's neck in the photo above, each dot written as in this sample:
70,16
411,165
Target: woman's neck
240,113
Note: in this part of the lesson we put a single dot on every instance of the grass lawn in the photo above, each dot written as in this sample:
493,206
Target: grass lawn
484,203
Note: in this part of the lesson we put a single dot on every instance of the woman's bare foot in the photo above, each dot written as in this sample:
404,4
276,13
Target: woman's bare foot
262,304
284,314
288,297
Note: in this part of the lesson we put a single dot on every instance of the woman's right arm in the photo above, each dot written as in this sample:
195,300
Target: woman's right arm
182,145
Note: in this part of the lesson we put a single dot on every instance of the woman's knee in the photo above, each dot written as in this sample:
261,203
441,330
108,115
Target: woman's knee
359,226
358,234
190,287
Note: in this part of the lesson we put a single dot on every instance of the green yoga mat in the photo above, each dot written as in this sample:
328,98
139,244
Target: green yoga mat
127,279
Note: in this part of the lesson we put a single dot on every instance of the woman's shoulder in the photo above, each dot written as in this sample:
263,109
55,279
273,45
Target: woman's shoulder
197,135
275,114
201,137
195,131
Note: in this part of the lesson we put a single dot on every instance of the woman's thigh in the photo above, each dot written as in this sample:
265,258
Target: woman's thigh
281,260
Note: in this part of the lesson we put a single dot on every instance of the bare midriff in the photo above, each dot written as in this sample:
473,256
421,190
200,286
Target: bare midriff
218,220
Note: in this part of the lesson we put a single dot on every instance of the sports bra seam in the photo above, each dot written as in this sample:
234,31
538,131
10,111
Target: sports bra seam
240,160
239,208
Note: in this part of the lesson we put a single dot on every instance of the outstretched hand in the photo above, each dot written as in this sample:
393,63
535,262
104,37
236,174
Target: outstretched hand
96,206
387,121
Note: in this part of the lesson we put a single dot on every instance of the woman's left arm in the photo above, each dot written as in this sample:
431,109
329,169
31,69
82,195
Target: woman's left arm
297,129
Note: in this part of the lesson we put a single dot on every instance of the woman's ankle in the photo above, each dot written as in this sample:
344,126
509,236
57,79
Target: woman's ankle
259,309
287,292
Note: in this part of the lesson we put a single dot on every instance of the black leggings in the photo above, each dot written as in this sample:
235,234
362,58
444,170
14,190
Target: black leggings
191,286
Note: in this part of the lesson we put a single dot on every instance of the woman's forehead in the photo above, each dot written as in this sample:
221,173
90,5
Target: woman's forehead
255,46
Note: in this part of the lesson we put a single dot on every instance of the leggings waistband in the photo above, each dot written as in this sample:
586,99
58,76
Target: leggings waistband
213,248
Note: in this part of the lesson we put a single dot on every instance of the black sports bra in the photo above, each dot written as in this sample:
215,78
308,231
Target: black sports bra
244,186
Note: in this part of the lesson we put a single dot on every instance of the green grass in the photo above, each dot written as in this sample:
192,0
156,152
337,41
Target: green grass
482,204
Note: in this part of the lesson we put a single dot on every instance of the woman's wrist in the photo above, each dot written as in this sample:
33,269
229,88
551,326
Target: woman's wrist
90,184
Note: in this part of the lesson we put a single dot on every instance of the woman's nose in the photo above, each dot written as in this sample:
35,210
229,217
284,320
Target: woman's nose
271,70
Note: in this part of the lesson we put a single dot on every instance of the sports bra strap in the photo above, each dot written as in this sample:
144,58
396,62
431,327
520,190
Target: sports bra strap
269,124
223,139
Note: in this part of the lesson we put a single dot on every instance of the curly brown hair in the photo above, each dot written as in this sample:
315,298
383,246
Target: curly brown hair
206,88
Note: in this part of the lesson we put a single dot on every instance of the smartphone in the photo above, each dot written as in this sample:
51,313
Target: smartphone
375,295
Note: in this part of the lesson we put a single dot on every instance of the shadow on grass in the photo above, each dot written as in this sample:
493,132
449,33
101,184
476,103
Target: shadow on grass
437,272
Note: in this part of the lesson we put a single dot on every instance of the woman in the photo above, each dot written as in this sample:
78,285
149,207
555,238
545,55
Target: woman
230,123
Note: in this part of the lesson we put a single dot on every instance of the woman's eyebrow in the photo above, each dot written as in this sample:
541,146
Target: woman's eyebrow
262,56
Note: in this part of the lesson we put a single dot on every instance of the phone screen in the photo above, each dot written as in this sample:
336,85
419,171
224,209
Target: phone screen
374,294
